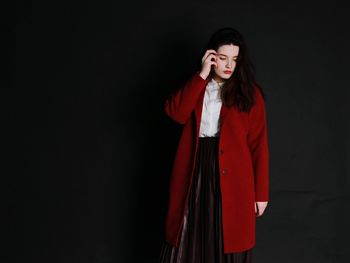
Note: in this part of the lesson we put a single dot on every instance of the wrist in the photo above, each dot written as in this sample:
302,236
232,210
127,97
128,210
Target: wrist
203,76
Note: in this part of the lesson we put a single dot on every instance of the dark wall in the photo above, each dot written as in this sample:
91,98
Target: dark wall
91,153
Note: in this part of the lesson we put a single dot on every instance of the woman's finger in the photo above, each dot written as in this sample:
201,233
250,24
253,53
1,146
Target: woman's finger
210,53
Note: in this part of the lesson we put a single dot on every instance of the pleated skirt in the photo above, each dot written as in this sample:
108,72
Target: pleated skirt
201,238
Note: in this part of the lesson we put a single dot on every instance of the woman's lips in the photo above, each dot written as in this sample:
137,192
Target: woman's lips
227,71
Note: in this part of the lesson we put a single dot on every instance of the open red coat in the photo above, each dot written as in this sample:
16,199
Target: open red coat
243,163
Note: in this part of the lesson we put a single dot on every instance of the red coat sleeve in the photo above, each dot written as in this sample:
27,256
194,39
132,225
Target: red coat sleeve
258,146
179,105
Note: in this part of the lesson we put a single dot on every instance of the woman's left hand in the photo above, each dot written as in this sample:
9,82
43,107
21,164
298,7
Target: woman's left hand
260,208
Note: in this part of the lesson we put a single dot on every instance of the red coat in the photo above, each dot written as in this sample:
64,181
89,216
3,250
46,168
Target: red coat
243,163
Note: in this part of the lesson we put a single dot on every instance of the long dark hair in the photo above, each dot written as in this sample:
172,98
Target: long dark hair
239,89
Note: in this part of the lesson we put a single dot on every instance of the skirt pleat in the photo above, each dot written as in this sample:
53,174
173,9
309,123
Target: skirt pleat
201,238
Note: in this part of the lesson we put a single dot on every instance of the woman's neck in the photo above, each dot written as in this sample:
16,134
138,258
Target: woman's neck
218,79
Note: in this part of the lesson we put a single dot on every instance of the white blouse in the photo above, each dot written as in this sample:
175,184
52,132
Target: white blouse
211,110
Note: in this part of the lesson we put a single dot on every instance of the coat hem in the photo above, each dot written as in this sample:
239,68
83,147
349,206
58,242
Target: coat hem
239,249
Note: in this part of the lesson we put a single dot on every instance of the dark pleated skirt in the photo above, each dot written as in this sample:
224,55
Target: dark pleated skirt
201,237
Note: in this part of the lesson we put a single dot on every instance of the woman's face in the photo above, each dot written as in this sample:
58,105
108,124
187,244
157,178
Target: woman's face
226,57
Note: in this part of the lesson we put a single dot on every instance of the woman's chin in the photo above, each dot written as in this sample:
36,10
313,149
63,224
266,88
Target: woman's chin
225,76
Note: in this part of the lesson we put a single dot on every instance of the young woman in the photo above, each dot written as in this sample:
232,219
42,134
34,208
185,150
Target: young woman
219,182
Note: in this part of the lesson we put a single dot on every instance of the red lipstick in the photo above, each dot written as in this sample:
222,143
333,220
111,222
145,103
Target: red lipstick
227,71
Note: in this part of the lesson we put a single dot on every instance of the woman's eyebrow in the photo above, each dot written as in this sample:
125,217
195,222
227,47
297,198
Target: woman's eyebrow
225,55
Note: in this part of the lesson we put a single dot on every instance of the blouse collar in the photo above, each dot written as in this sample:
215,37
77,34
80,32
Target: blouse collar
213,84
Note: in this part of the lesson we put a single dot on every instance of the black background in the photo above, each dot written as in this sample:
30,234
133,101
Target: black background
92,149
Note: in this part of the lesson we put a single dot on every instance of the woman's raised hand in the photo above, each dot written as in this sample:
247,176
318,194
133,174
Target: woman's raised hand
207,62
